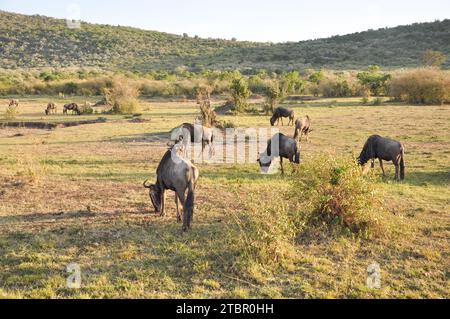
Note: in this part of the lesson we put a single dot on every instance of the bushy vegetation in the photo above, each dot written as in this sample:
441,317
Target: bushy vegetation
421,86
122,96
239,93
332,195
11,112
48,42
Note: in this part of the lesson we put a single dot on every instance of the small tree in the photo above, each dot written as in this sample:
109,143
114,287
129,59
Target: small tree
433,58
274,94
239,93
374,80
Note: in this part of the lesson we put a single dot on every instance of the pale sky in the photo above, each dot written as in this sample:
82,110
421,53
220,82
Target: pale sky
263,20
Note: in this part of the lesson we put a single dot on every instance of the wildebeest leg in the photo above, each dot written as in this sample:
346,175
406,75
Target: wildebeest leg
163,202
372,163
181,197
282,123
397,170
382,167
281,164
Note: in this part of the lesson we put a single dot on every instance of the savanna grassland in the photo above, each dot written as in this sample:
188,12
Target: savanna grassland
74,194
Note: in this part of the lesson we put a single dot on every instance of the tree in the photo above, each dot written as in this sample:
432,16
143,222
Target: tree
433,58
239,93
374,80
273,94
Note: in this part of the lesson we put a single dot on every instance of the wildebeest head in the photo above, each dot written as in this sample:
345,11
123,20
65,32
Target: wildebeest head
273,120
155,196
264,161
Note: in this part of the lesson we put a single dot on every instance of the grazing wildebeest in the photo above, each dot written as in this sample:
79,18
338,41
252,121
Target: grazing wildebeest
179,175
282,146
384,149
51,108
302,126
279,113
72,107
193,133
14,102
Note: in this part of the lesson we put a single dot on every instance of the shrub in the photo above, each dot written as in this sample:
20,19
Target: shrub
122,96
240,93
332,196
262,235
377,101
86,108
421,86
11,112
374,80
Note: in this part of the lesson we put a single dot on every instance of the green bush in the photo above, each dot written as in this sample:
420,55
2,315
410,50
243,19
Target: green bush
421,86
333,197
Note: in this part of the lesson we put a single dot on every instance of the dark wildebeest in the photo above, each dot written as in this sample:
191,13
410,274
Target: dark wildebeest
179,175
282,146
279,113
302,126
14,102
51,108
384,149
72,107
195,134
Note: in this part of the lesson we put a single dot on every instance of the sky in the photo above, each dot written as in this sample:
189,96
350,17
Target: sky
252,20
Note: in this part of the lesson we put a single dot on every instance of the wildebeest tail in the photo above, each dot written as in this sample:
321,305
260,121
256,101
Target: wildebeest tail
402,164
188,208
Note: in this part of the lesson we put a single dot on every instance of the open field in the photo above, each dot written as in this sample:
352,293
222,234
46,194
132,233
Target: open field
75,194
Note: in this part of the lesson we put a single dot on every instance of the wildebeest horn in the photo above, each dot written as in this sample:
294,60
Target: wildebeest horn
145,184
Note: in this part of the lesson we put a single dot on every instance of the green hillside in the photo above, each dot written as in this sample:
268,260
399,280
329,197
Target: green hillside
37,41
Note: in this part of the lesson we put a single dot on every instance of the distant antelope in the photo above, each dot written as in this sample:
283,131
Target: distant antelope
51,108
302,126
14,102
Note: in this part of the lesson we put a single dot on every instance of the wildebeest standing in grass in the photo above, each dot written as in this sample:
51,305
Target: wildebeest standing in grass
282,146
280,113
51,108
195,134
179,175
14,102
302,126
384,149
72,107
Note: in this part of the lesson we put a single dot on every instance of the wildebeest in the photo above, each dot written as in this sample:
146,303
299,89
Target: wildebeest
282,146
280,113
51,108
384,149
14,102
72,107
179,175
302,126
193,133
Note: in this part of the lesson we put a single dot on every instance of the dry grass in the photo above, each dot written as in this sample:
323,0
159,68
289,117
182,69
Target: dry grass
86,205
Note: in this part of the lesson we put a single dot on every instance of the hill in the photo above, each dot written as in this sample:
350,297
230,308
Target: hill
37,41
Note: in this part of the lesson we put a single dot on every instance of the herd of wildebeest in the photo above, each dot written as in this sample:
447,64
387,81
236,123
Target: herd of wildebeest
177,173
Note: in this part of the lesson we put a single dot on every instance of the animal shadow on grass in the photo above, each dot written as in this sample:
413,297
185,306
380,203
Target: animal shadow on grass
146,137
436,178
